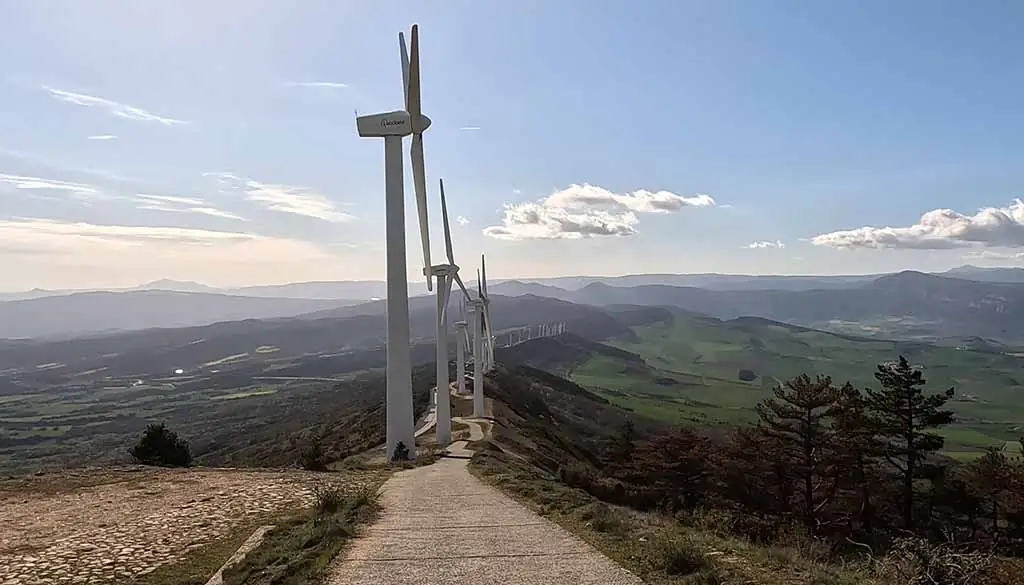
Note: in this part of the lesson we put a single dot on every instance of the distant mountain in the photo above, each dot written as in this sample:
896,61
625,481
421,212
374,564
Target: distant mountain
93,312
983,274
907,304
713,281
163,350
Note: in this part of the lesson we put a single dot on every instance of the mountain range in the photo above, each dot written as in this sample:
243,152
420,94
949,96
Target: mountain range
907,304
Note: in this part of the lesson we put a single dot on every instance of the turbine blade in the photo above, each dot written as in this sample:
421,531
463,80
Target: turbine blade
479,287
483,271
413,102
447,229
405,69
465,293
420,185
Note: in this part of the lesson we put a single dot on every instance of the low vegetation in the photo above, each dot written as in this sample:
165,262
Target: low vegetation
832,485
299,550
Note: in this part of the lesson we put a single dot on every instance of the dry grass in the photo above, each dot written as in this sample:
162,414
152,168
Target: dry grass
659,548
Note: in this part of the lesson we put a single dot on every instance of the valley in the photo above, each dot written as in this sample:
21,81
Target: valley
233,387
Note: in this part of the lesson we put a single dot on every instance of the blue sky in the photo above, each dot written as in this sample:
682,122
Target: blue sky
215,141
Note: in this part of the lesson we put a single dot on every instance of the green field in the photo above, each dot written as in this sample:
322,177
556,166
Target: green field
693,367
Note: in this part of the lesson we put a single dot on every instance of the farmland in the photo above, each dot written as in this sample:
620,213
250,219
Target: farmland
704,370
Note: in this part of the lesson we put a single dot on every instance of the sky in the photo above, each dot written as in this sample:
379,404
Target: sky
216,142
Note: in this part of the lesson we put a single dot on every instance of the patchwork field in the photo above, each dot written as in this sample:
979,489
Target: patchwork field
705,370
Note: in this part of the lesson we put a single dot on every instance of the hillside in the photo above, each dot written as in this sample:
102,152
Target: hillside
93,312
710,371
907,305
676,507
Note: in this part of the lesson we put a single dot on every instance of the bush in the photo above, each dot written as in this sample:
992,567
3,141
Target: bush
312,457
915,561
401,453
161,446
747,375
677,556
327,498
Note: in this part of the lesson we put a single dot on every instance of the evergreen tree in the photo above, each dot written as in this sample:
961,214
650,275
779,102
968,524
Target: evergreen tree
858,453
799,418
902,414
161,446
990,478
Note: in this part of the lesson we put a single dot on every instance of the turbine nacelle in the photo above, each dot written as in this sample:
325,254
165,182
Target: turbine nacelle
397,123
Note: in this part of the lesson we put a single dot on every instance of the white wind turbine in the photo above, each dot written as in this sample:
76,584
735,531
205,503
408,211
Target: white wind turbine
393,127
461,345
488,336
445,274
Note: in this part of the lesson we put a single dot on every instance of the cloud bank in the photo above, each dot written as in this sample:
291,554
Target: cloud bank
584,211
939,229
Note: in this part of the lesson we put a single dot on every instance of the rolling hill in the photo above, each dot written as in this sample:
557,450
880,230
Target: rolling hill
706,370
906,305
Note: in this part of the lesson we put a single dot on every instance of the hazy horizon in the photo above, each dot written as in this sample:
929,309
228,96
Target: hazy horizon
413,282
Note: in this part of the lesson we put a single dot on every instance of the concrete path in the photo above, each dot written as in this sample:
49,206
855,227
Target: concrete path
441,525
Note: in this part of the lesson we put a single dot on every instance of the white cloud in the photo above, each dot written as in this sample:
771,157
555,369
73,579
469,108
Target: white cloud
326,84
463,220
101,137
291,199
85,254
171,199
211,211
470,128
939,229
120,110
993,255
765,244
175,204
583,211
34,183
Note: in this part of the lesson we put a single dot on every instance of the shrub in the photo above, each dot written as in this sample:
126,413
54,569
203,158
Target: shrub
677,556
401,452
915,561
327,498
747,375
312,457
161,446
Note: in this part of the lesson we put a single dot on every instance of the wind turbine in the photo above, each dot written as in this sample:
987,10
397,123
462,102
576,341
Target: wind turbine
461,344
488,337
393,127
445,274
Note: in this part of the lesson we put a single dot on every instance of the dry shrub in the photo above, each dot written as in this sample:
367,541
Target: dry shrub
915,561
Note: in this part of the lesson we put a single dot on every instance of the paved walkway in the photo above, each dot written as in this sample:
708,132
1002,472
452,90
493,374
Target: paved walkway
441,526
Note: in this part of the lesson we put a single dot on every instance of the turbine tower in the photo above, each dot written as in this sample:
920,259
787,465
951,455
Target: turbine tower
445,274
393,127
476,320
460,350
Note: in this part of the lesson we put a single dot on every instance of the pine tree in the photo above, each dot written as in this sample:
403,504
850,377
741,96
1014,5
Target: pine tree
902,414
858,453
990,478
799,417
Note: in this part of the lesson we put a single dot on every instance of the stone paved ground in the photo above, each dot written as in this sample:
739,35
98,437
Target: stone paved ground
131,522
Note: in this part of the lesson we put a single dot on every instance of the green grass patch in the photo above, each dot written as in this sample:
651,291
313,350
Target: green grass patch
299,550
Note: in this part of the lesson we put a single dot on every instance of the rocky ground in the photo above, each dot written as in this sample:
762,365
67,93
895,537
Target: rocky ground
112,526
